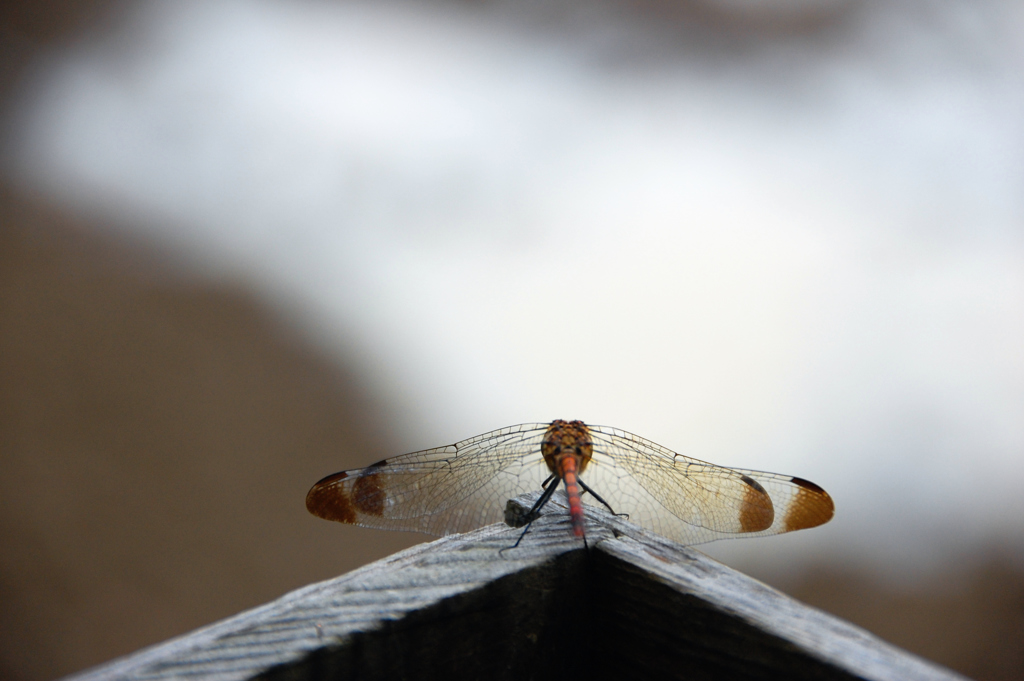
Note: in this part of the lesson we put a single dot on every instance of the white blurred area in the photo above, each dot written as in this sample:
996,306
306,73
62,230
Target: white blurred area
797,248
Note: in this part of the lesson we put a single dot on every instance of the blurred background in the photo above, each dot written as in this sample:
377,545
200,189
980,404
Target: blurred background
245,245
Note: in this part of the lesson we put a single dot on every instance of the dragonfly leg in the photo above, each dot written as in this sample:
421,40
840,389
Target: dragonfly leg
508,548
534,512
598,497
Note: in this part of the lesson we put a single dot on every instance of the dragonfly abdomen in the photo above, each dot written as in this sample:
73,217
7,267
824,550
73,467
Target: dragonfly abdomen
572,490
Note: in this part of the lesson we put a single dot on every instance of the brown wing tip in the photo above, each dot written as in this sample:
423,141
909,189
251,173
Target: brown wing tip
807,484
368,493
811,507
756,512
322,482
329,501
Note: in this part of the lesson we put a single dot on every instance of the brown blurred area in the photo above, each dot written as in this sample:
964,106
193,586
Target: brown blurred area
158,438
158,434
971,621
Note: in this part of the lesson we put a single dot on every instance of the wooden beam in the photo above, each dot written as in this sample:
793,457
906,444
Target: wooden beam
631,605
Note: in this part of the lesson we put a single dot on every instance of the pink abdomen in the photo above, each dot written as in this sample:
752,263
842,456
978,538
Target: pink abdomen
572,489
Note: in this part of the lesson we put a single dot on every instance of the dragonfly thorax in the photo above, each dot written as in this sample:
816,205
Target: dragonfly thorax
567,439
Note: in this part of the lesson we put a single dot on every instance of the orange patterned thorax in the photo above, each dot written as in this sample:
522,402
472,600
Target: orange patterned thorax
567,438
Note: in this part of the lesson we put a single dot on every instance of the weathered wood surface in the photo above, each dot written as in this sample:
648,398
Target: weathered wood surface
632,605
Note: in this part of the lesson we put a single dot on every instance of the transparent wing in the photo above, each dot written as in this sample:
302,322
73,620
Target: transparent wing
437,491
464,486
692,501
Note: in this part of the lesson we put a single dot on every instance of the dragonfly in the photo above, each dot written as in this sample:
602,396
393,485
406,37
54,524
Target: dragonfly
464,486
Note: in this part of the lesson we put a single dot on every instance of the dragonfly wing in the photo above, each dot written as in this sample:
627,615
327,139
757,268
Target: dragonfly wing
704,501
437,491
799,504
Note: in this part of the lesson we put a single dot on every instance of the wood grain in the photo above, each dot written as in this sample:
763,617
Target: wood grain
631,603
